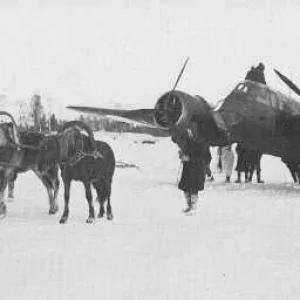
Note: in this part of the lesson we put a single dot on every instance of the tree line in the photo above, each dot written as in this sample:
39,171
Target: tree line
32,116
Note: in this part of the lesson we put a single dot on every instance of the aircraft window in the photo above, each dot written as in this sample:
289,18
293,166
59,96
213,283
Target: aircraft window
245,89
242,87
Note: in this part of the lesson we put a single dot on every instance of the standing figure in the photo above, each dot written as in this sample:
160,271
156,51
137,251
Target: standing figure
243,162
227,162
255,158
257,74
192,155
207,159
219,164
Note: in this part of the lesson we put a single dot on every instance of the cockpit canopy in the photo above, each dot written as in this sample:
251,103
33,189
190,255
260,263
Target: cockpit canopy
263,94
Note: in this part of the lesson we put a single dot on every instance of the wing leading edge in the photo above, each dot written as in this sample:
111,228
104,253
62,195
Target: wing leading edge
141,116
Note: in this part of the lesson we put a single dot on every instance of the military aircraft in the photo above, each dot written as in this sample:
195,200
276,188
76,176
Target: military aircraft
253,114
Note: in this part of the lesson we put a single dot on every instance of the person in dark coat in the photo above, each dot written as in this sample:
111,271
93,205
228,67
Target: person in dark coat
192,153
219,164
242,164
255,158
257,74
249,74
248,161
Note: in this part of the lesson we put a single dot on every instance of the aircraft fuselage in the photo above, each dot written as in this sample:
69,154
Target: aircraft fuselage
256,115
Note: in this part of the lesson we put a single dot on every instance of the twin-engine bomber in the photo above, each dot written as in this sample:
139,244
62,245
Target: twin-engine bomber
253,114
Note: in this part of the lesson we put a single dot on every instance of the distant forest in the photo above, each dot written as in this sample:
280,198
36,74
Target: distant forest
106,124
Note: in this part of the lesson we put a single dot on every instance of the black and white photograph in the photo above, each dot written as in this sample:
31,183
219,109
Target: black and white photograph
149,149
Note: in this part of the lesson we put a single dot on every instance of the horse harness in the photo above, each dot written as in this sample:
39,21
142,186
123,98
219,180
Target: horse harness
79,155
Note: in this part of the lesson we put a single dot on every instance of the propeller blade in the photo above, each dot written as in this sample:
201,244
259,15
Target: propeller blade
180,74
288,82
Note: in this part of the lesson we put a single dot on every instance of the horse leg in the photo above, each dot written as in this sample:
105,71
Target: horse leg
88,195
3,183
54,188
48,183
100,198
11,187
103,189
45,177
65,216
54,206
109,214
53,176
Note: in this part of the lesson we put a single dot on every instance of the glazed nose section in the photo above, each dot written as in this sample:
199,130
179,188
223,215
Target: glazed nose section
168,110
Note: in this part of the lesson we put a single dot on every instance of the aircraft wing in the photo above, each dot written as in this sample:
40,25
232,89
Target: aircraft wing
144,117
288,82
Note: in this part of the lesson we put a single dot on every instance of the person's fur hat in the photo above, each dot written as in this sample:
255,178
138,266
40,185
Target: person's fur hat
261,66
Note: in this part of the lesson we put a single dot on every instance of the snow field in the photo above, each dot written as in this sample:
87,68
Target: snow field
243,242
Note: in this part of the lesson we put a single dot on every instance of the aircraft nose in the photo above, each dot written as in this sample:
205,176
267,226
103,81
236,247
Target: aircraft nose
168,110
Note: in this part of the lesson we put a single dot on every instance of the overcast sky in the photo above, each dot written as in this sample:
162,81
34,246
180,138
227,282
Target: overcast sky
89,52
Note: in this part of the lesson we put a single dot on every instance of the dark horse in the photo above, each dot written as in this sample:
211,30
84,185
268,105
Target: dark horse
80,157
91,162
20,151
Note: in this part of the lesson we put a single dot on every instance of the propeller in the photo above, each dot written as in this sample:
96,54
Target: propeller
288,82
171,103
180,74
166,110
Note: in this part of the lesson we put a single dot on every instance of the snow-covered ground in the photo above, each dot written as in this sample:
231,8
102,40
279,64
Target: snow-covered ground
243,243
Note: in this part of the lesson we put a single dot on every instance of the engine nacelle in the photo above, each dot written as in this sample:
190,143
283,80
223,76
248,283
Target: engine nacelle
176,110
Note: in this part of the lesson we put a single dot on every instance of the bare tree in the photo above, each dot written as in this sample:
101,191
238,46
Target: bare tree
53,123
36,111
44,123
24,118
